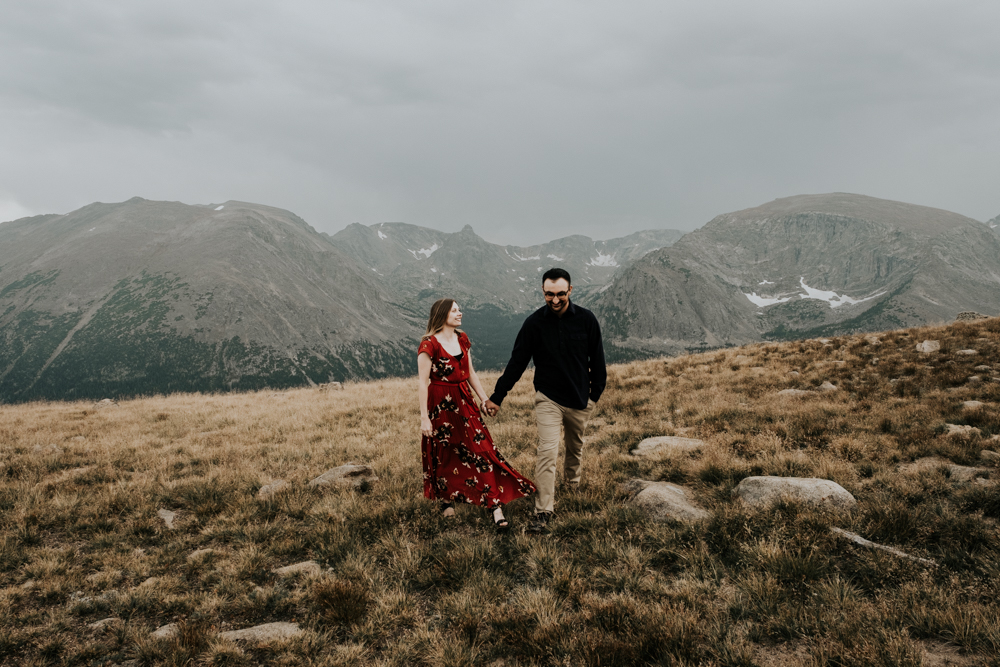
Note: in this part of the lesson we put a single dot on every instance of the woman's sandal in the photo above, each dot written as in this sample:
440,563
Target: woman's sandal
445,507
502,524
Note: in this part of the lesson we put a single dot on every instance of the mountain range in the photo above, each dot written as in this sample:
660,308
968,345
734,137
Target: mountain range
144,297
801,267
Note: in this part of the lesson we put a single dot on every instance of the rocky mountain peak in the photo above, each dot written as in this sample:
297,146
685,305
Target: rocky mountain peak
910,218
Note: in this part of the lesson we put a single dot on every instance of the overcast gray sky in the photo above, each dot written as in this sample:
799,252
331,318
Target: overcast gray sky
528,119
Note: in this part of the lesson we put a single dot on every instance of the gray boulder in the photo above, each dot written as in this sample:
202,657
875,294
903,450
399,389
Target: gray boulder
972,405
47,450
164,631
274,487
928,346
305,567
989,456
349,474
762,492
794,392
264,633
168,517
665,501
666,445
961,430
104,623
966,353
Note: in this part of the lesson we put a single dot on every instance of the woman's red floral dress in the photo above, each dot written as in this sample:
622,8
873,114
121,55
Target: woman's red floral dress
461,463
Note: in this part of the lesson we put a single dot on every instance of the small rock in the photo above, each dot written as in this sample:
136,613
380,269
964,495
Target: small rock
164,631
795,373
666,445
825,341
974,379
983,369
828,386
764,491
104,623
957,473
961,429
989,456
928,346
264,633
269,490
665,501
106,403
970,316
972,405
199,554
873,340
151,581
794,392
168,517
47,450
967,353
857,539
330,386
349,474
305,567
29,585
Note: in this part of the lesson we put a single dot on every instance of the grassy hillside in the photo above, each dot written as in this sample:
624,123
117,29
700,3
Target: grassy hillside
80,539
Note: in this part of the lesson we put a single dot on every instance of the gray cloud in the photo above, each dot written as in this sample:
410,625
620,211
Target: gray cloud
526,120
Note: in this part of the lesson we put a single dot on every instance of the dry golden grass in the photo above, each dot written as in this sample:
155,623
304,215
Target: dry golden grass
80,539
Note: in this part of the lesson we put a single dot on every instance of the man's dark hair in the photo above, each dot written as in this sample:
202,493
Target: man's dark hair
556,274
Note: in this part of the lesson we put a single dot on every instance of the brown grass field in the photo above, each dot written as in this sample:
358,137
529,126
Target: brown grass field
80,539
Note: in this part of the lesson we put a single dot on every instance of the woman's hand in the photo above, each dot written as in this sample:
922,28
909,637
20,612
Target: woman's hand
425,427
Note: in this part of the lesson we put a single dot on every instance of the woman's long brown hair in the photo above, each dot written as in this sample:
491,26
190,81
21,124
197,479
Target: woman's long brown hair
439,316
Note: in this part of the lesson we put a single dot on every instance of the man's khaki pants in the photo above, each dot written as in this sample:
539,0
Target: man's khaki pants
550,416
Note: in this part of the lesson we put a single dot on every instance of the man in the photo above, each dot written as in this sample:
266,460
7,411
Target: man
564,340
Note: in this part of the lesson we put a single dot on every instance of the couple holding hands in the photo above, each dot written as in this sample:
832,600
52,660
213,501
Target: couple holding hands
461,464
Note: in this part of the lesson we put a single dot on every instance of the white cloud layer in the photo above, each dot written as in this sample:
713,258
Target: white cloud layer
527,120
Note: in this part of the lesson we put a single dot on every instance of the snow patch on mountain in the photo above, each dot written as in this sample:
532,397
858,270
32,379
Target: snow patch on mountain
558,259
426,252
835,300
383,236
603,260
519,258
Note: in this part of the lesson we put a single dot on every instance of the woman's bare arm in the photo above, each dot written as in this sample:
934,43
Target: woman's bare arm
474,381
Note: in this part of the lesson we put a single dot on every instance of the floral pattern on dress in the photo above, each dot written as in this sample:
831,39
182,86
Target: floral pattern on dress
460,461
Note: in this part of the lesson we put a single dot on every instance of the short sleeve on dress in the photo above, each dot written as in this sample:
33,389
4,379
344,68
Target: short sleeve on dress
464,342
426,346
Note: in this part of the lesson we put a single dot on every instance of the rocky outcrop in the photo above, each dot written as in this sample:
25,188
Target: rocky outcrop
762,492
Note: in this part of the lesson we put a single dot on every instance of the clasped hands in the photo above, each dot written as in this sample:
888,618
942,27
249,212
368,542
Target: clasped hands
490,408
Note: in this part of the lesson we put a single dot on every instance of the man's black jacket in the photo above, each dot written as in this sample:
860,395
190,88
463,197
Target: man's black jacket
568,355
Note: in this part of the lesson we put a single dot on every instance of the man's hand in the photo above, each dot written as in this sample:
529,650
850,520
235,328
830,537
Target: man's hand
491,408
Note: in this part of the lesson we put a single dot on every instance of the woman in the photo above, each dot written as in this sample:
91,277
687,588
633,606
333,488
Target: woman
461,463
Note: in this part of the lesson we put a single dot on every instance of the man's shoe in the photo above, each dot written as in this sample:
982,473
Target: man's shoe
539,524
